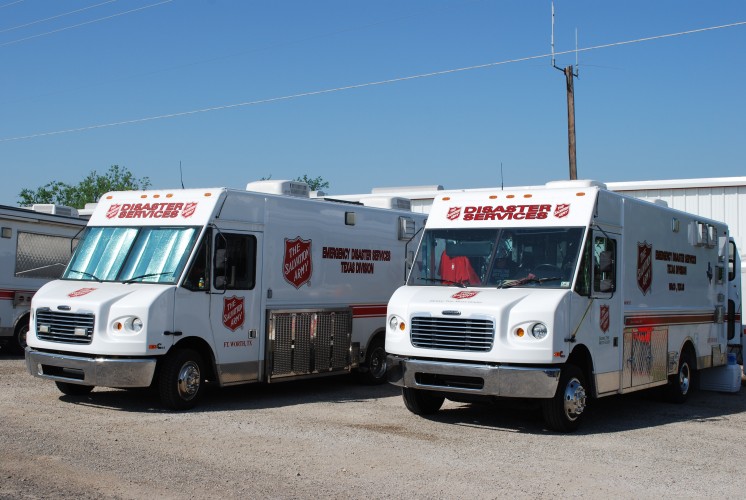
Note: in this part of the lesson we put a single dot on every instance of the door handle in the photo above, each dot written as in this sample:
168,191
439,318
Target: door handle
252,333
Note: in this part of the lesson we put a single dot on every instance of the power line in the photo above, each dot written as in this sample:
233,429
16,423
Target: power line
11,3
55,17
369,84
85,23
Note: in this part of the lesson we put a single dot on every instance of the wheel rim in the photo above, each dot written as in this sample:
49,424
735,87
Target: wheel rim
22,334
189,380
377,365
685,378
574,399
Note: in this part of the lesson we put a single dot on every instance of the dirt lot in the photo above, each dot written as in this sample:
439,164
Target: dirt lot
333,438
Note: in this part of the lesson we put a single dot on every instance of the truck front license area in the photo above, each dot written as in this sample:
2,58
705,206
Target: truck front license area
91,371
488,380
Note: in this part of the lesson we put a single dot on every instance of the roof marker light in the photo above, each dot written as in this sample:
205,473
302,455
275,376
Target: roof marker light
580,194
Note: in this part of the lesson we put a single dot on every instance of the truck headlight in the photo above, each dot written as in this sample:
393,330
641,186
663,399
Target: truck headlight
395,323
539,331
132,324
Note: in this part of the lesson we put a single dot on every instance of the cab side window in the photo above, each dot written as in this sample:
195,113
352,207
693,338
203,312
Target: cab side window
604,264
234,262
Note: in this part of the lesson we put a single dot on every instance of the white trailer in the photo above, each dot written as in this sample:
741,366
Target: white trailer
562,293
175,288
35,244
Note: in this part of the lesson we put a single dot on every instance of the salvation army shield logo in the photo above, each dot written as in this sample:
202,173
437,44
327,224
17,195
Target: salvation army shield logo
113,211
189,209
644,266
453,213
464,295
297,266
604,319
562,210
233,312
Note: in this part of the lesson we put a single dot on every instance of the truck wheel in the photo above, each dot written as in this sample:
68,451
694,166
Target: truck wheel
421,402
180,380
564,411
680,385
375,363
74,389
19,338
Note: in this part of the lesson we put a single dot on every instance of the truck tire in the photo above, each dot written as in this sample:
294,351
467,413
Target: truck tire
421,402
181,379
681,384
564,412
73,389
18,345
375,364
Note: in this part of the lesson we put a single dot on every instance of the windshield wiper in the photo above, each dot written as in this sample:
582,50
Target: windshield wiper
449,282
523,281
132,280
86,274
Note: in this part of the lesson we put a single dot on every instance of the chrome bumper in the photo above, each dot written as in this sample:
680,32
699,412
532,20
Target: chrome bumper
487,380
99,371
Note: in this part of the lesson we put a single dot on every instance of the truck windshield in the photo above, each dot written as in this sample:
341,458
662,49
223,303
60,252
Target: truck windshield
494,257
132,254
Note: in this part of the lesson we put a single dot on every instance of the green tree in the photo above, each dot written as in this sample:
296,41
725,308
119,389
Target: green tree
89,190
313,184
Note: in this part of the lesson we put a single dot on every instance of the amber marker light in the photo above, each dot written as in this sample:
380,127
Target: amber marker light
208,194
519,332
493,197
580,194
169,195
446,198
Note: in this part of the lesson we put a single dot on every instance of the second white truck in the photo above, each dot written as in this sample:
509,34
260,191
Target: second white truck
561,294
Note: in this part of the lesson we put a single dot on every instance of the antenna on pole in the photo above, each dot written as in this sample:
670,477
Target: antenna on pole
502,182
569,76
181,175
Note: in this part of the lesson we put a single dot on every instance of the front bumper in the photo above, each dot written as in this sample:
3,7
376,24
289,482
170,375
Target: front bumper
487,380
97,371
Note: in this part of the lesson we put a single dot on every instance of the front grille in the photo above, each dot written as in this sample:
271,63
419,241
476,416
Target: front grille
64,327
454,334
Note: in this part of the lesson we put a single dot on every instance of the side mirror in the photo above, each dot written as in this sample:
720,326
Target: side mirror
606,286
606,262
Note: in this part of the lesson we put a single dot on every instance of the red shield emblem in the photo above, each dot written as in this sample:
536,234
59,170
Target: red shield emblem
562,210
80,292
644,266
189,209
464,295
604,319
453,213
113,211
297,265
233,312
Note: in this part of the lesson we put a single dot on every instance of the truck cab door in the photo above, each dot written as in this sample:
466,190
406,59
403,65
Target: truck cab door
235,305
606,310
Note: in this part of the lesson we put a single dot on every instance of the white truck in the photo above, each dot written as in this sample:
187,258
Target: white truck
35,246
176,288
559,294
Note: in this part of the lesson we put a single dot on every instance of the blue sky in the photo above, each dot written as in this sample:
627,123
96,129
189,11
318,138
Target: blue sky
669,108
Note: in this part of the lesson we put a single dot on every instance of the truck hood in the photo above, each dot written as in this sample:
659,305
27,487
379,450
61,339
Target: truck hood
108,303
506,309
92,297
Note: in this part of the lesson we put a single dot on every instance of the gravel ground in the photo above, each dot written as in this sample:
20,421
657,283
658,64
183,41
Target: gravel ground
333,438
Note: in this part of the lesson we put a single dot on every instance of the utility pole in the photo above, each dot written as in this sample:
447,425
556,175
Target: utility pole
570,74
569,77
